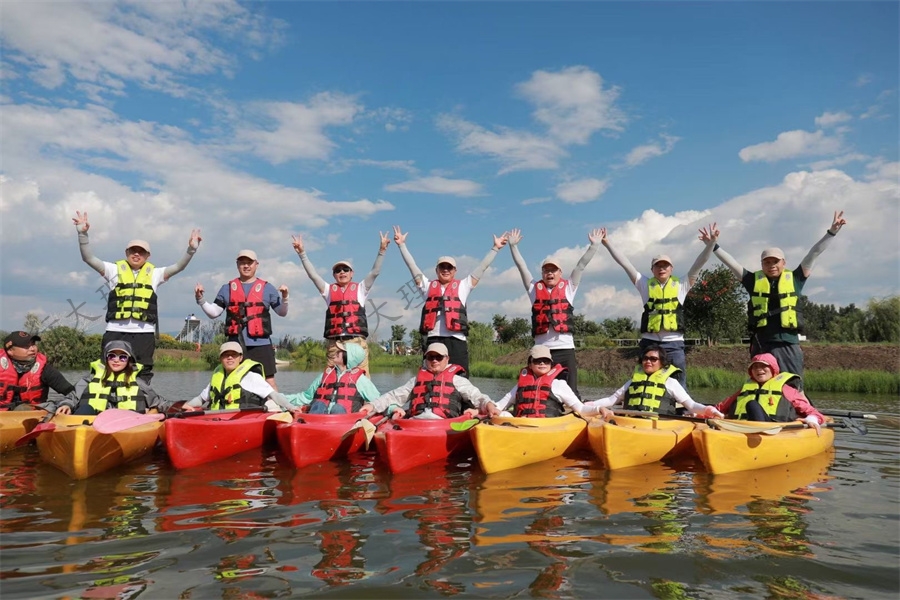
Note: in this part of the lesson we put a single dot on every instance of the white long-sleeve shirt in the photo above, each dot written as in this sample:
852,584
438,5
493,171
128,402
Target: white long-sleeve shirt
678,393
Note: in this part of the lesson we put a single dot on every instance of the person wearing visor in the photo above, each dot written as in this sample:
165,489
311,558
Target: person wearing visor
444,319
238,383
551,299
775,323
541,391
113,382
246,301
663,295
132,314
771,395
438,391
652,388
345,315
342,388
25,375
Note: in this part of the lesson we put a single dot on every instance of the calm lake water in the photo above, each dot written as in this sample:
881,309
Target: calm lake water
253,527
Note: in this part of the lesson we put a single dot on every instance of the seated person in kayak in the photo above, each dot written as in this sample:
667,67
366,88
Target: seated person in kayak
25,374
238,383
541,391
652,388
112,383
436,392
770,395
342,388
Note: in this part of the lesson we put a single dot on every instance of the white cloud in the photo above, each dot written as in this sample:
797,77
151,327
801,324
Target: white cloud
582,190
437,185
883,170
536,200
572,103
821,165
828,119
642,154
398,165
878,109
299,129
863,79
791,144
153,44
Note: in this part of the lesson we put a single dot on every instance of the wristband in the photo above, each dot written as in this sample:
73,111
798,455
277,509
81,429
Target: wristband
828,231
716,247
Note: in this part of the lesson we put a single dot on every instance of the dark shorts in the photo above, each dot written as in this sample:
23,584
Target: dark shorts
264,355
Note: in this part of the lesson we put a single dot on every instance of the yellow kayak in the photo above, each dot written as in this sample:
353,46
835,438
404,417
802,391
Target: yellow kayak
511,442
730,451
631,441
16,423
80,451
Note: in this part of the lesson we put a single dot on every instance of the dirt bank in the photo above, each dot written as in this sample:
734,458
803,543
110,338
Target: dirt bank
869,357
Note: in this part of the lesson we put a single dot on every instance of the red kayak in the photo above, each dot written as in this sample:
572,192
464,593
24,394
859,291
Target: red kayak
408,443
198,439
316,438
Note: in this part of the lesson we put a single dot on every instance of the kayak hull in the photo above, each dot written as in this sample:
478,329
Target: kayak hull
525,441
405,444
632,441
319,438
79,451
16,423
193,441
729,451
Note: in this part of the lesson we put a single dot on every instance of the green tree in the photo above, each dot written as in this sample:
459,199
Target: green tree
32,324
849,326
69,348
398,332
816,318
481,342
623,327
882,320
309,354
416,340
517,331
582,326
715,308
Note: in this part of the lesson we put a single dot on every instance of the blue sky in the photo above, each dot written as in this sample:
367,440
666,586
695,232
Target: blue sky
456,121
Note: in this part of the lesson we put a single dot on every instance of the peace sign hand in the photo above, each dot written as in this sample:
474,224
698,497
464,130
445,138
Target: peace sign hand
81,222
838,222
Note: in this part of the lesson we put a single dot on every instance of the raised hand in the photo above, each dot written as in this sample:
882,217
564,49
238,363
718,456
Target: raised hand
81,222
709,234
283,290
836,224
597,235
198,292
195,240
385,241
513,236
297,243
399,236
500,241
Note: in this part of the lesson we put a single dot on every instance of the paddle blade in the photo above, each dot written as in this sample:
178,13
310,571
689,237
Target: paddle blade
284,417
113,420
738,427
369,429
464,425
38,430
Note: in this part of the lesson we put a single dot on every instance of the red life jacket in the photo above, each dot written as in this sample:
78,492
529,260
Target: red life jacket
454,310
15,390
345,315
251,311
534,396
436,392
340,391
550,309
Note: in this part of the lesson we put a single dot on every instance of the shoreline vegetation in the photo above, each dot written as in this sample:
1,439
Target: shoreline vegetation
830,367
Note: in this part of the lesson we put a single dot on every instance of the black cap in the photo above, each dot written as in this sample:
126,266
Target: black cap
20,339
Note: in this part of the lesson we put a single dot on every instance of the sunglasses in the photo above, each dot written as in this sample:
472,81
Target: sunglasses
541,361
446,267
434,357
342,270
652,359
113,356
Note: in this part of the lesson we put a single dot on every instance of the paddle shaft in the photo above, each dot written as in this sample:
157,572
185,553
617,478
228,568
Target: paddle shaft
653,415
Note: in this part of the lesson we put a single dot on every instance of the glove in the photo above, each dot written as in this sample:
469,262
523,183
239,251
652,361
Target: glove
813,421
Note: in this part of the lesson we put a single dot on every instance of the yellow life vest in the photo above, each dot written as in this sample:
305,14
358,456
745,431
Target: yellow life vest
787,301
662,310
770,397
227,391
115,391
648,392
133,297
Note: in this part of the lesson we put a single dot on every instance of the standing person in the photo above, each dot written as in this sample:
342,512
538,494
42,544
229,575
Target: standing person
246,301
771,395
774,321
113,382
131,313
653,388
436,392
541,391
663,294
25,375
551,303
444,319
345,317
238,383
343,387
